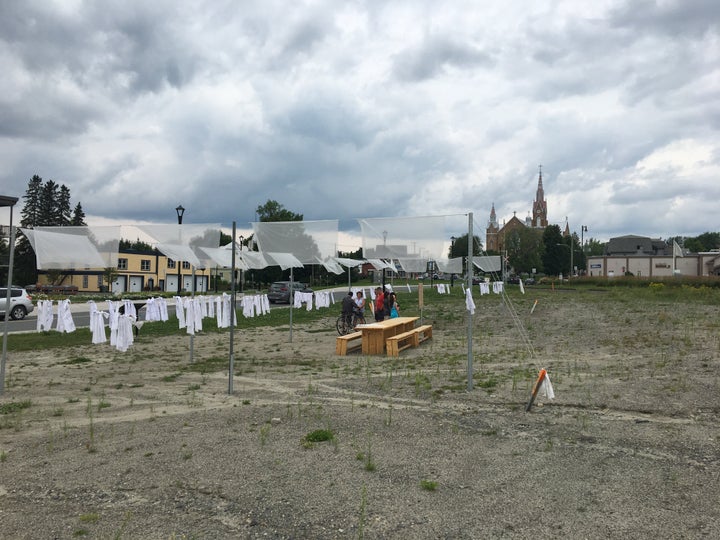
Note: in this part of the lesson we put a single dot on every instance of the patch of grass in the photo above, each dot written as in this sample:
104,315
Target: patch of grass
73,361
89,518
319,435
171,377
428,485
14,406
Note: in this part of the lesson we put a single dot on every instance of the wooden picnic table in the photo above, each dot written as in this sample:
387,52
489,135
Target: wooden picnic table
375,334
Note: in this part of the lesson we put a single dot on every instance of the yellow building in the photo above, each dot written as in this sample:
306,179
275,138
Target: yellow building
135,272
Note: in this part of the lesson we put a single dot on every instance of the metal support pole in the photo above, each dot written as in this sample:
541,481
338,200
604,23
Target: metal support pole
231,370
470,272
8,297
290,300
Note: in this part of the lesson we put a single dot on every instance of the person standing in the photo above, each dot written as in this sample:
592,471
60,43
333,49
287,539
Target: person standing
360,304
348,304
379,304
393,306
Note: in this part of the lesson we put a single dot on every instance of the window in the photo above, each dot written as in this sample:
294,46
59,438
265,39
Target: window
122,264
145,265
171,263
100,281
86,281
186,265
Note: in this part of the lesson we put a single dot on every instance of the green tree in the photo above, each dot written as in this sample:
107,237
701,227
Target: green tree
274,211
707,241
555,257
594,247
525,248
78,217
64,212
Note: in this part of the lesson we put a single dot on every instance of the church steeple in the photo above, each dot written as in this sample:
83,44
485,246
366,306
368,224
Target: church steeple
493,217
539,217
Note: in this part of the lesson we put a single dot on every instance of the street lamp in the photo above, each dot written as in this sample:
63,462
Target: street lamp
180,211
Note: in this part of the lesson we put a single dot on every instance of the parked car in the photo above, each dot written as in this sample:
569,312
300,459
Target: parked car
529,281
20,303
514,280
279,291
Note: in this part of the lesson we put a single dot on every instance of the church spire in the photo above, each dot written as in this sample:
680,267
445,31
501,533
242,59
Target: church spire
539,218
493,217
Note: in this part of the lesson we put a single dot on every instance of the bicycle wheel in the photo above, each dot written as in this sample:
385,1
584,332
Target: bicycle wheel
358,319
341,325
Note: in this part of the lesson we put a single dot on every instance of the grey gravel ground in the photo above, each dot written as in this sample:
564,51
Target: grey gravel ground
135,445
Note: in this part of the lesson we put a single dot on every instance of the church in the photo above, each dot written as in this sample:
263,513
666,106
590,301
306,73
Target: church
495,235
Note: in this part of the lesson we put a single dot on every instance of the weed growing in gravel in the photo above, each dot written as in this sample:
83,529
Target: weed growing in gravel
3,456
14,406
264,433
428,485
319,435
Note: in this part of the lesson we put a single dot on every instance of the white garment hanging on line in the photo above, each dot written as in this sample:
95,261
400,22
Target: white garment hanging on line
65,321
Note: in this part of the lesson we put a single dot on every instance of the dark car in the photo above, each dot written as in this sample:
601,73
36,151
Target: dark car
279,291
20,303
514,280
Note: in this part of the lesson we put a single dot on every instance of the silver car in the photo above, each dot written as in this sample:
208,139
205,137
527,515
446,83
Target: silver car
20,303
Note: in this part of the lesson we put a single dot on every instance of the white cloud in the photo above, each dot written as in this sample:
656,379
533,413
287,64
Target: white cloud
360,110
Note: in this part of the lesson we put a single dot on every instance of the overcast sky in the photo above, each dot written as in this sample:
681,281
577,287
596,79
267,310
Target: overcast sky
367,109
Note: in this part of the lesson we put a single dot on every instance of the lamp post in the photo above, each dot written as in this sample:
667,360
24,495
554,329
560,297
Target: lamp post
180,211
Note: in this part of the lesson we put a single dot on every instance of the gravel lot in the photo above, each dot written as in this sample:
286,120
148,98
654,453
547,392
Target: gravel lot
100,444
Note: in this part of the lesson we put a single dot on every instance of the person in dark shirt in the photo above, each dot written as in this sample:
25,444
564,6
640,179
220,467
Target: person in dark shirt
348,303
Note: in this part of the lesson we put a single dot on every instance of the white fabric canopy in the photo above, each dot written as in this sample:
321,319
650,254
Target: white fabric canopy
74,247
488,263
352,263
331,265
254,260
223,257
306,240
414,265
450,266
180,253
379,264
284,260
403,237
175,238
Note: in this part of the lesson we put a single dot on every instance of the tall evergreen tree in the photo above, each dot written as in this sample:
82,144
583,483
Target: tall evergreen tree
64,212
78,217
49,210
30,213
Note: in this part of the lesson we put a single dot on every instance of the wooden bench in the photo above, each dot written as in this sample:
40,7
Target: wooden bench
400,342
424,332
348,343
